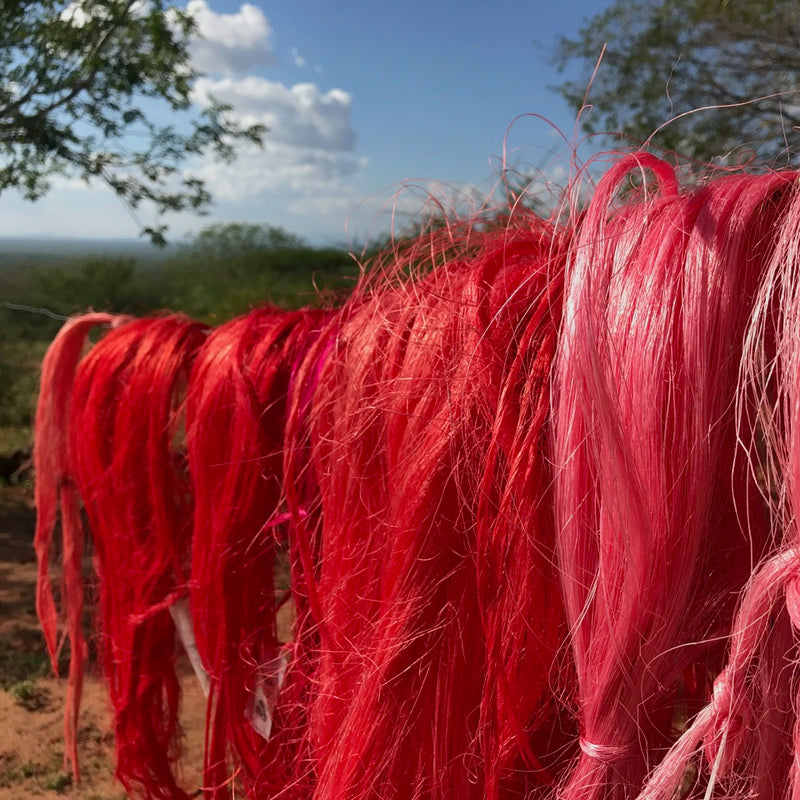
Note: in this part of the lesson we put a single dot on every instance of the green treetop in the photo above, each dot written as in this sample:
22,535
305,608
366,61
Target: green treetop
664,58
82,89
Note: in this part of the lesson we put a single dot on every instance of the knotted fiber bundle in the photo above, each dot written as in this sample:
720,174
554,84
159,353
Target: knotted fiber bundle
659,522
125,430
56,500
406,681
236,419
748,732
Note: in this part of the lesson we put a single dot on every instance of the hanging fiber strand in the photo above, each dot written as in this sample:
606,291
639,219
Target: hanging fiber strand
236,418
658,528
55,492
129,461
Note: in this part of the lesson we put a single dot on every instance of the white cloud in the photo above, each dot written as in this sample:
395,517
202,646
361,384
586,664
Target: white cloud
225,44
308,153
323,205
75,15
299,61
230,44
301,115
307,172
279,168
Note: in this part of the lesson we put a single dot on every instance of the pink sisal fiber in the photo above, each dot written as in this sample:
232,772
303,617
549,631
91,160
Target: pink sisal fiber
402,418
236,417
54,490
131,475
749,730
658,525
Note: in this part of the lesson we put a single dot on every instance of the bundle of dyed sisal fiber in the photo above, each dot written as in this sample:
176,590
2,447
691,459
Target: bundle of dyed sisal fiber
537,485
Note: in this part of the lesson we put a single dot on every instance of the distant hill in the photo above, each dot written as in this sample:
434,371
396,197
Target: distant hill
23,251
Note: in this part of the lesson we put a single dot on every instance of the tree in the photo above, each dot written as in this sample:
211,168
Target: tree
225,240
228,268
665,59
79,95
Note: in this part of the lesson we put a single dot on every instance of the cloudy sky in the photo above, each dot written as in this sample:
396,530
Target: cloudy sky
370,108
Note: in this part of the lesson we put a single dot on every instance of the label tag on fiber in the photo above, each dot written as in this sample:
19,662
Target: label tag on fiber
182,617
265,695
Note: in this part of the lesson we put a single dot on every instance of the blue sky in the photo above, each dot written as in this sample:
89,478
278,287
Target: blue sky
362,99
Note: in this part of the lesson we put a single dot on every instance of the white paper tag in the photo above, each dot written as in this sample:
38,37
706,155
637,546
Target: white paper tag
265,695
182,617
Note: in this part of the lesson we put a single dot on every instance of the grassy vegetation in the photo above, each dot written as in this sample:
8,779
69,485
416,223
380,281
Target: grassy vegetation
30,695
23,659
50,776
224,271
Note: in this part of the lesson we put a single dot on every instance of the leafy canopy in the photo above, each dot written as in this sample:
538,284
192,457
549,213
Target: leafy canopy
79,88
667,57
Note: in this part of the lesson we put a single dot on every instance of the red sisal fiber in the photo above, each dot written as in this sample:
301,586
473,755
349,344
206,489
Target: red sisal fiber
350,468
522,726
236,417
131,475
402,418
54,490
293,760
658,528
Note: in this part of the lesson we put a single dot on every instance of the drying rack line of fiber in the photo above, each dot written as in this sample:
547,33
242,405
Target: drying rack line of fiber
529,496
